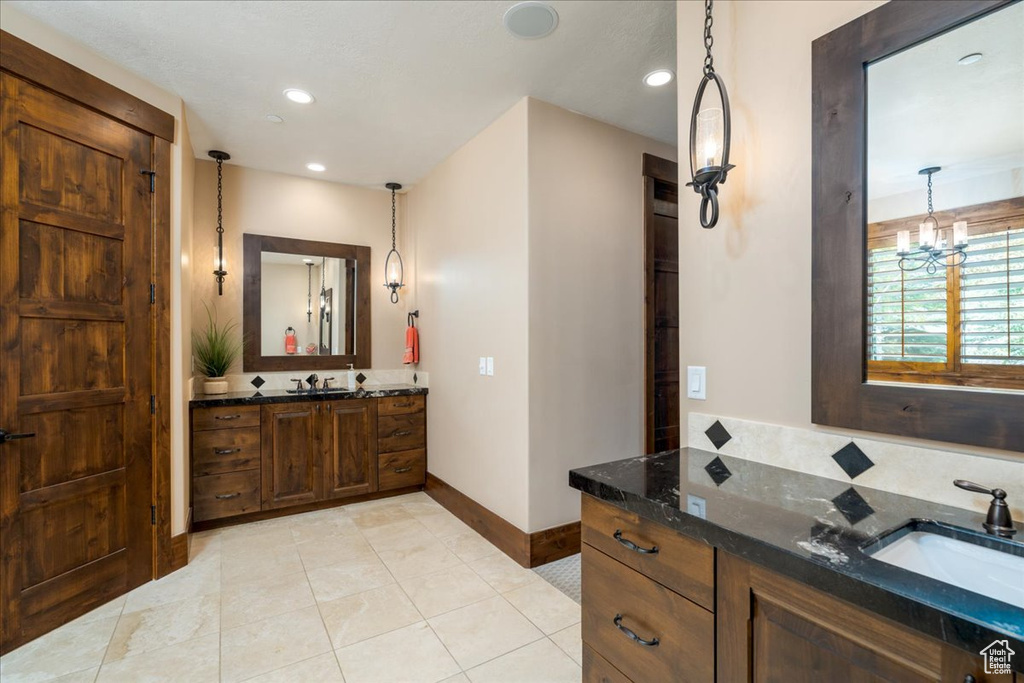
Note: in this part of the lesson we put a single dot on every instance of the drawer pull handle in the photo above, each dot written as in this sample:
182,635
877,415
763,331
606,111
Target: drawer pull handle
226,451
653,642
400,470
653,550
226,417
404,405
401,432
227,496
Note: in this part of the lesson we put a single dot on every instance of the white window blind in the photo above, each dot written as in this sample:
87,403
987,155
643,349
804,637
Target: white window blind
992,299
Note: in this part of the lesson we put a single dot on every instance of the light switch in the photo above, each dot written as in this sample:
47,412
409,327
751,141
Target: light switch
490,366
696,382
483,365
696,506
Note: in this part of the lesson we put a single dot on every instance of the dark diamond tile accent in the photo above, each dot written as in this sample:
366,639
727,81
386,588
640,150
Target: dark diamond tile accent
718,435
717,470
309,380
853,506
415,378
256,394
360,378
852,460
258,381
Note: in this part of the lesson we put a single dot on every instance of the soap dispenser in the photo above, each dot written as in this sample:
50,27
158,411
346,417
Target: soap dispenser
351,377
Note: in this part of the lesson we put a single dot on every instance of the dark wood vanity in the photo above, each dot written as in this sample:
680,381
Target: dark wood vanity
261,455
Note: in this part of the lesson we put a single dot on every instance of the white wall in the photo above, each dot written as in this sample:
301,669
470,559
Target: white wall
586,301
953,195
284,290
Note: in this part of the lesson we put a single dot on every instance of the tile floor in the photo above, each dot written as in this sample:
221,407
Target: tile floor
390,591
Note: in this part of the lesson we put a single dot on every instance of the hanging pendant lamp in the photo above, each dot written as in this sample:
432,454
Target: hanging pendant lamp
220,273
932,251
394,271
309,289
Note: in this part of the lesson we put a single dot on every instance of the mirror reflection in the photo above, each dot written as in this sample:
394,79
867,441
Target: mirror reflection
945,206
307,305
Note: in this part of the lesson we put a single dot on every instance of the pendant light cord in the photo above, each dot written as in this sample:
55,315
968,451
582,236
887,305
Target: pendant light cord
709,60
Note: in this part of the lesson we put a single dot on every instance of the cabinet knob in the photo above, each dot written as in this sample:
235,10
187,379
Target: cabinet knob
969,678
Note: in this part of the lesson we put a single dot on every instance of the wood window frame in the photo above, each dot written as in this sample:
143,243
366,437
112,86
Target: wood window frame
840,394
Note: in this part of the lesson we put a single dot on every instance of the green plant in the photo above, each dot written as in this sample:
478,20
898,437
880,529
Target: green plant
217,348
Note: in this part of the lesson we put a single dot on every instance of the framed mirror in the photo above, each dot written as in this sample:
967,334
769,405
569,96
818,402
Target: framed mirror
306,304
918,233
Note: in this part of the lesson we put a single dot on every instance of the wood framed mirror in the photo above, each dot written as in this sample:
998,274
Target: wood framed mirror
305,304
844,392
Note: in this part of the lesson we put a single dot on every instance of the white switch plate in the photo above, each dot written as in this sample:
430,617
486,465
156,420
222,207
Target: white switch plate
483,365
697,382
696,506
490,366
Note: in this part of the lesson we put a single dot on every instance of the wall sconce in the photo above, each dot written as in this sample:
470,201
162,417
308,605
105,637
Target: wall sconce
394,271
220,273
709,135
931,244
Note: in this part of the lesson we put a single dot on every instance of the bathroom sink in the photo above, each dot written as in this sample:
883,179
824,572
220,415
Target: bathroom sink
973,561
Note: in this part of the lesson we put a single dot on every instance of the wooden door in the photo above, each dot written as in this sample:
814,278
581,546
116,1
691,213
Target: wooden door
75,360
661,272
289,451
350,448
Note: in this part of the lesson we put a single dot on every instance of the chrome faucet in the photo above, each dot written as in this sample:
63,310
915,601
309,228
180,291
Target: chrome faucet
998,522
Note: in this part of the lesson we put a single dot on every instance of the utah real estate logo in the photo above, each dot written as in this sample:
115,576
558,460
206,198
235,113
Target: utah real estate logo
997,657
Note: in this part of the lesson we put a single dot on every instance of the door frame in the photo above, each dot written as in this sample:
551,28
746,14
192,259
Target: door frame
32,64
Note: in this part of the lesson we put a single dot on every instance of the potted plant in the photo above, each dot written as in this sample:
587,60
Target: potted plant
215,351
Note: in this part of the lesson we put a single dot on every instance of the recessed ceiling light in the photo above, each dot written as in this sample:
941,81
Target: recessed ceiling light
274,118
659,77
300,96
308,261
319,168
530,19
972,58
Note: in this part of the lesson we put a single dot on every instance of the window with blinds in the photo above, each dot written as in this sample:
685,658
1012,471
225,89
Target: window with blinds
992,300
907,311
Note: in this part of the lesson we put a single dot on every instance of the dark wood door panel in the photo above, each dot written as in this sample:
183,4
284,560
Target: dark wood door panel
289,448
225,450
71,355
60,264
71,444
397,470
350,448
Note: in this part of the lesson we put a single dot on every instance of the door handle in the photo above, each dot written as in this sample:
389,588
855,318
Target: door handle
226,451
6,436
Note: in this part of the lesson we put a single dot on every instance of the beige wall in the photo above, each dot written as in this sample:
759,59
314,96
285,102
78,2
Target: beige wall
469,218
745,293
586,301
265,203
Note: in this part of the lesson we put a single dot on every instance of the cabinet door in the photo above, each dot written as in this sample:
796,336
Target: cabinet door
350,448
290,454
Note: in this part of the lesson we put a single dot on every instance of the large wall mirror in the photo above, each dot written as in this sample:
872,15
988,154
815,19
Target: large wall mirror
918,295
306,304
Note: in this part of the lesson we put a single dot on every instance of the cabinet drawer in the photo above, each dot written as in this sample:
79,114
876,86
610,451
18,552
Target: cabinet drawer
222,495
685,632
407,468
224,417
225,450
398,405
401,432
596,669
683,564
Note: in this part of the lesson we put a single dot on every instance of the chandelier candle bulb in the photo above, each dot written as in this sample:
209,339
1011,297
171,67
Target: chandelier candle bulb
927,235
903,242
960,234
709,132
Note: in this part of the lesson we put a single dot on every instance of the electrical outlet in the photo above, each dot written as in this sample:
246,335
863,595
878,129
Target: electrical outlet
483,365
696,506
490,366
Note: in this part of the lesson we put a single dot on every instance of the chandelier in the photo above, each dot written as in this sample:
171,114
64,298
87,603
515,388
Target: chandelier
932,252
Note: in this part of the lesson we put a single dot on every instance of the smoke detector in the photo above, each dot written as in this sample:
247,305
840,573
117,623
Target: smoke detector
530,19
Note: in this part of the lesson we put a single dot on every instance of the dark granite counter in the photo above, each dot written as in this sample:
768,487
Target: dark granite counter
810,529
248,398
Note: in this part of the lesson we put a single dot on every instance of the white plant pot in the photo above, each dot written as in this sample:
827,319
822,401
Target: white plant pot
215,385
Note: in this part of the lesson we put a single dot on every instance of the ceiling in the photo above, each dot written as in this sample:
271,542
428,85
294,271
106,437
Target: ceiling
925,109
399,85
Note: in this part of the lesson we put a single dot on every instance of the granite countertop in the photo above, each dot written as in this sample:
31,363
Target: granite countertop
811,529
245,398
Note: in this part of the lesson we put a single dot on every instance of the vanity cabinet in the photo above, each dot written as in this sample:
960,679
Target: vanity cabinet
254,458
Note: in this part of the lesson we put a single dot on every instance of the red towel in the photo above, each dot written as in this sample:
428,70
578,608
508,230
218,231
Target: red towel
412,346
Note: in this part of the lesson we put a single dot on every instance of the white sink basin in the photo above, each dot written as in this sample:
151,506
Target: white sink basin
999,575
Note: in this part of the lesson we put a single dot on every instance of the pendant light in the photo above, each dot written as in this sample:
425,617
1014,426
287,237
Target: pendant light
309,289
394,272
931,243
710,130
220,273
323,286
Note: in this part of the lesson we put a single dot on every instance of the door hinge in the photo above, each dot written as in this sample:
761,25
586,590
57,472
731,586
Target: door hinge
152,515
152,292
152,179
152,404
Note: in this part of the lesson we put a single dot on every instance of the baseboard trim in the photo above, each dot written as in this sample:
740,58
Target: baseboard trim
529,550
179,553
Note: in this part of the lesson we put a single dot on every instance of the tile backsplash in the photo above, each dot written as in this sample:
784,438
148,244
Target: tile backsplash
925,473
277,381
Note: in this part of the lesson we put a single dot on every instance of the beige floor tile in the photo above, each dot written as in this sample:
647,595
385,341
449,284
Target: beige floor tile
259,563
250,541
367,518
86,676
457,678
443,524
470,546
319,669
446,590
164,625
396,535
547,607
503,573
367,614
68,649
539,662
271,644
483,631
327,550
411,655
104,611
254,600
420,507
425,557
321,524
570,640
195,661
201,576
348,578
